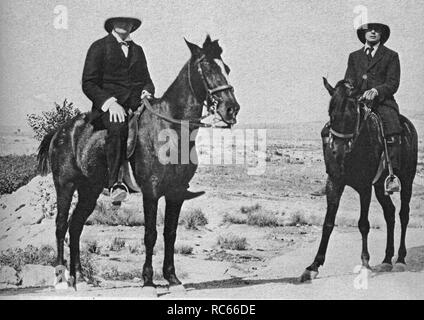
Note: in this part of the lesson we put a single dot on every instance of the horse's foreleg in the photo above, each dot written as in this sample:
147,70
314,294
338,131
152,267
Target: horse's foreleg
405,198
172,213
64,195
87,198
389,215
150,234
364,225
334,192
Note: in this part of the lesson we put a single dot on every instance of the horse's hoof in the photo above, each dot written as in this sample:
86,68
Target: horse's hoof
384,267
149,292
178,289
308,275
399,267
61,278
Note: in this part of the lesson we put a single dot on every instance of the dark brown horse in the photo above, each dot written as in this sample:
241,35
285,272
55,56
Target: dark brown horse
352,158
77,158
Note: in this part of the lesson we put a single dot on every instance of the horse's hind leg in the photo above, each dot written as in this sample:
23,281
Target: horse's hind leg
405,197
172,213
389,215
87,198
64,195
150,235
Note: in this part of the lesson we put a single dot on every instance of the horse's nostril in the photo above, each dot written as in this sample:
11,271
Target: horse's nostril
230,110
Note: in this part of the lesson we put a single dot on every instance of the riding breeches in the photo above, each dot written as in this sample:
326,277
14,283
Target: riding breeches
116,144
390,119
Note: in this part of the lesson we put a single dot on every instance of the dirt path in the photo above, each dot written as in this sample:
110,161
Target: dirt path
279,279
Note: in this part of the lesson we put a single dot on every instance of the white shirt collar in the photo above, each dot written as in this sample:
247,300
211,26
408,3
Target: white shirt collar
375,48
118,38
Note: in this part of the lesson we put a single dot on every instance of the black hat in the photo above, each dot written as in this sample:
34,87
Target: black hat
385,31
109,23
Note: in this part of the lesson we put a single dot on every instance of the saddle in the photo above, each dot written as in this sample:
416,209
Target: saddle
126,173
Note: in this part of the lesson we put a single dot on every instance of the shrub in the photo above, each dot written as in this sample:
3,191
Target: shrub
297,218
232,242
17,258
236,218
88,268
183,249
117,244
249,209
193,218
16,171
136,248
50,121
114,274
262,219
92,246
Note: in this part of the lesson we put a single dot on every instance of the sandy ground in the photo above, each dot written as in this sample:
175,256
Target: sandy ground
275,256
279,279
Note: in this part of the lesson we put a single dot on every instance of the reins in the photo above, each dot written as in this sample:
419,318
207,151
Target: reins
210,96
352,137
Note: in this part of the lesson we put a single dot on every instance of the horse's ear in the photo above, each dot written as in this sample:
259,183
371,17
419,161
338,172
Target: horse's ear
207,42
194,49
327,86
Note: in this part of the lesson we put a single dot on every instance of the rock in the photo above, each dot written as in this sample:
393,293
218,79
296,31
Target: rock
8,276
37,276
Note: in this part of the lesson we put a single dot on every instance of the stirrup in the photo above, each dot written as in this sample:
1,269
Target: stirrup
391,179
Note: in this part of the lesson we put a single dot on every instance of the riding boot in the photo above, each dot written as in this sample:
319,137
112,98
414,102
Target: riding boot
394,150
117,189
325,134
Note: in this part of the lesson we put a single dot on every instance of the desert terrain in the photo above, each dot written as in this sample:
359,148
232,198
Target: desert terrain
249,237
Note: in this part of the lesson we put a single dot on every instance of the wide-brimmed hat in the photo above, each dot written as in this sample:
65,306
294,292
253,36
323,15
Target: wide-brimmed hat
109,22
385,31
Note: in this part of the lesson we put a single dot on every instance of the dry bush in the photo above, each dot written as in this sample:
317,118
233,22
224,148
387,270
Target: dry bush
16,171
136,248
50,121
249,209
235,218
183,249
17,258
92,246
262,219
116,244
193,218
232,242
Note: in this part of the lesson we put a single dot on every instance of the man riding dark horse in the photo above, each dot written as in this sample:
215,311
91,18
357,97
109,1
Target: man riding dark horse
375,71
116,79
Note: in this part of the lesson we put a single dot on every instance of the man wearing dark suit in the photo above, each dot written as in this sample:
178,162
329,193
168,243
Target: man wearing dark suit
115,79
375,71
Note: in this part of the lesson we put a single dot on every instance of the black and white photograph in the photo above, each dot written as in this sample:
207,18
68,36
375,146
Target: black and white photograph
211,151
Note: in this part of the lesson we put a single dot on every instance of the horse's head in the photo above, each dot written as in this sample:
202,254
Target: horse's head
344,115
207,76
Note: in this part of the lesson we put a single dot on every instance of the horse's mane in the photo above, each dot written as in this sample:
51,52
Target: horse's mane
213,50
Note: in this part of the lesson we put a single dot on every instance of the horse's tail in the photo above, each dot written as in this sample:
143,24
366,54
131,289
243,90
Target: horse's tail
43,154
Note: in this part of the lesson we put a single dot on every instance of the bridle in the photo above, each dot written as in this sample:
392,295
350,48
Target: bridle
353,136
211,101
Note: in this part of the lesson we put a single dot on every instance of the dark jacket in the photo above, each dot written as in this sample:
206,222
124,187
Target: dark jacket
382,73
108,73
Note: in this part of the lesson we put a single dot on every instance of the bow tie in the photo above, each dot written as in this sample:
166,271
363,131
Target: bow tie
125,43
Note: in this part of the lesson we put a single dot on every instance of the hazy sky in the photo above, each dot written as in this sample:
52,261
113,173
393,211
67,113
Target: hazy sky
277,50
